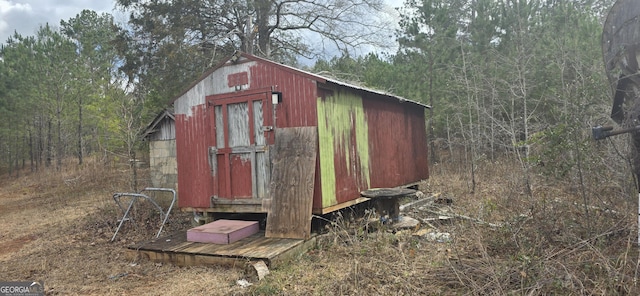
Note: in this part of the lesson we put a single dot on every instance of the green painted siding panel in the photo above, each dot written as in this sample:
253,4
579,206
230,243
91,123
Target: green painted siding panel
341,121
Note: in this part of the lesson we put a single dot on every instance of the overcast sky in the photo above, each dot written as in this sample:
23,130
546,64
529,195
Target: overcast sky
25,16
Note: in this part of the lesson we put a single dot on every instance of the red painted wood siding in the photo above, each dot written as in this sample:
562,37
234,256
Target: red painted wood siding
240,172
299,94
298,106
397,142
349,180
194,175
396,132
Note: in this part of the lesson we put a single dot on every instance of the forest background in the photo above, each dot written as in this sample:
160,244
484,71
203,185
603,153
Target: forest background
515,88
521,79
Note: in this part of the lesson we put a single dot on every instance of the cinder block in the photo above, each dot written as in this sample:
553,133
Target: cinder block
222,231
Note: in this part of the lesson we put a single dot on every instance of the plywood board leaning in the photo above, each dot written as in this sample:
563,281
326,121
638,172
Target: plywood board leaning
293,174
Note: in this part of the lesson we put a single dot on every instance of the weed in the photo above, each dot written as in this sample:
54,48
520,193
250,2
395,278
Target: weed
548,242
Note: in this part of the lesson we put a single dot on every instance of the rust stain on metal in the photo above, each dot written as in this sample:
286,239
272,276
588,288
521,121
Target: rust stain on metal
366,138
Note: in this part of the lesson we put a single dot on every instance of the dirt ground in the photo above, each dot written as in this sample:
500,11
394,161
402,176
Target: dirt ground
56,226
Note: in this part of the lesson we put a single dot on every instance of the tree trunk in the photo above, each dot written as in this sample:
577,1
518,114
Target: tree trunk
134,169
16,159
263,9
49,140
80,130
431,130
31,155
10,158
59,144
248,35
24,144
39,144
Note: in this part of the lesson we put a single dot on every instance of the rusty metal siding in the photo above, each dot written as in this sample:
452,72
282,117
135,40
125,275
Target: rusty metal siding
365,139
299,93
194,135
214,83
343,146
367,142
194,175
397,143
298,106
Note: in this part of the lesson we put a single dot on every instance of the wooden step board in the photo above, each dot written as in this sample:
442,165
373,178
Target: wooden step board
222,231
175,249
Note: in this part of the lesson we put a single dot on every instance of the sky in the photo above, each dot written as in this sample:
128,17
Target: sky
25,16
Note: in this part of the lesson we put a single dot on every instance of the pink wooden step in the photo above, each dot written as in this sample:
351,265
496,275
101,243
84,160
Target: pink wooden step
222,231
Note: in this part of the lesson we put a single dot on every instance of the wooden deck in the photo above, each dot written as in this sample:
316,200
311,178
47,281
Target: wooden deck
177,250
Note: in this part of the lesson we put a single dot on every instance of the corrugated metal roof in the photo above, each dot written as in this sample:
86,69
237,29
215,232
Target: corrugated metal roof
399,98
337,82
236,56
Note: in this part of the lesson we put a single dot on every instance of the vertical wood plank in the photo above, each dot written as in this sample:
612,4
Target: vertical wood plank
293,175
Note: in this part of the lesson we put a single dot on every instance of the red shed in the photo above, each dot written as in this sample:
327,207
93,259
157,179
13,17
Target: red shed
228,120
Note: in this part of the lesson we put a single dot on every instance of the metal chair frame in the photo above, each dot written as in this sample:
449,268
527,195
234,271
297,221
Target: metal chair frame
135,197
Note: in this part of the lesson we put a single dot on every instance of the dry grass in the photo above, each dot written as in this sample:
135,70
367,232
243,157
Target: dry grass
546,244
56,227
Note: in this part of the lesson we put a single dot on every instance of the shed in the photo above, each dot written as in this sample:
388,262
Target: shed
161,135
229,121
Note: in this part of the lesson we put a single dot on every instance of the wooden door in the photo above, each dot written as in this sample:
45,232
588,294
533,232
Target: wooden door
239,157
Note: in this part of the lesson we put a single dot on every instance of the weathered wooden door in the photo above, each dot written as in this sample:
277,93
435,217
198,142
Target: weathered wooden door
239,158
